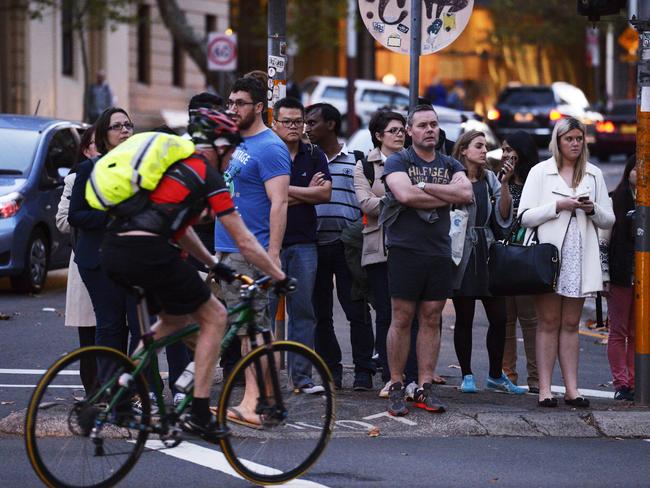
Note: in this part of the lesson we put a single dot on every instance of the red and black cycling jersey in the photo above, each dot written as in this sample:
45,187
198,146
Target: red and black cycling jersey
186,189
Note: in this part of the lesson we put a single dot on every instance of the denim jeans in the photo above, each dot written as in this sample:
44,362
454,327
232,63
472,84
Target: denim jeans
331,264
299,261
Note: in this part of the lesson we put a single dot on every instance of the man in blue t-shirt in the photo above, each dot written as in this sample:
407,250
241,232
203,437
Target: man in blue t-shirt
258,179
419,252
310,184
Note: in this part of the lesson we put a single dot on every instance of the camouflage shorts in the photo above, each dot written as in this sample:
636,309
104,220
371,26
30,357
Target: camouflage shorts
229,293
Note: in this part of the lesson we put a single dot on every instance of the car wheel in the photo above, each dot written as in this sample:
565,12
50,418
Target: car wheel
37,260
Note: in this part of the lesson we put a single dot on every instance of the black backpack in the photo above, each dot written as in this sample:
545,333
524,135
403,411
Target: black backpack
368,167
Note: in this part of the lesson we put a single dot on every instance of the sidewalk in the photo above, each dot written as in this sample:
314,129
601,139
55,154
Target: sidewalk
489,413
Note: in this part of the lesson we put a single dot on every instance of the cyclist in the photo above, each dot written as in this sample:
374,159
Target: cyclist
145,249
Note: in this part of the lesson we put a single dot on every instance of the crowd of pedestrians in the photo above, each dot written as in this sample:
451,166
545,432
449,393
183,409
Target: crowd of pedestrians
299,190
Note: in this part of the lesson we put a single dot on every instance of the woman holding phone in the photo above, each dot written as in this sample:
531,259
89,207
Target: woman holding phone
565,198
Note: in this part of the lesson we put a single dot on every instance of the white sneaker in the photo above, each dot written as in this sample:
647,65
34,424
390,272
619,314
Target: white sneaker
178,398
312,389
383,393
411,388
137,404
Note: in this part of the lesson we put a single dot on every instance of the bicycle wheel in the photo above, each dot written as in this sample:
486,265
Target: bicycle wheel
285,445
61,444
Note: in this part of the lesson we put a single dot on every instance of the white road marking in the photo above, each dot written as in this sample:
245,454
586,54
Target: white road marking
387,415
70,372
586,392
49,386
209,458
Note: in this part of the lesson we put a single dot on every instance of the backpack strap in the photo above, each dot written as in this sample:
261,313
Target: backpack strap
368,167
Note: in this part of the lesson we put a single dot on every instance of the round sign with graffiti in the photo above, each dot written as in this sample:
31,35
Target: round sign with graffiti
389,22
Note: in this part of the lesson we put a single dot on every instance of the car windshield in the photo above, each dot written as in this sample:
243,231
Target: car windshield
528,98
624,108
335,92
17,148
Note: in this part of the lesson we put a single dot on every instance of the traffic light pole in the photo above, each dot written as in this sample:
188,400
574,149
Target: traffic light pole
642,244
277,50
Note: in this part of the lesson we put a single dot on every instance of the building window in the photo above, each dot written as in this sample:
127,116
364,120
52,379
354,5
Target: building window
144,44
210,24
178,65
67,38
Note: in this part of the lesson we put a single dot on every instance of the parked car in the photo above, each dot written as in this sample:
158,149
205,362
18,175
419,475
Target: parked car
35,155
370,96
453,122
616,133
536,108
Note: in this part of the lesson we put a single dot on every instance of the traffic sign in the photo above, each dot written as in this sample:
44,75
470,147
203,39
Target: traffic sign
222,52
389,21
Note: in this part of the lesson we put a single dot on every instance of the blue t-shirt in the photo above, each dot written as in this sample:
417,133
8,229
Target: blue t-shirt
258,159
301,218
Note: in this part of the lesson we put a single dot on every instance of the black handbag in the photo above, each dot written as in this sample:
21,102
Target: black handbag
522,269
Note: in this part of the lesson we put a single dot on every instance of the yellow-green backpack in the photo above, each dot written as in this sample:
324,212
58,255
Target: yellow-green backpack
136,164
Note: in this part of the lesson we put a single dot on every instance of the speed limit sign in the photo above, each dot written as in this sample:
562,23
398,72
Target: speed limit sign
222,52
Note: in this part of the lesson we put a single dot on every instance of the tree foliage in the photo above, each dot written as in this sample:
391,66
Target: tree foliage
547,23
88,14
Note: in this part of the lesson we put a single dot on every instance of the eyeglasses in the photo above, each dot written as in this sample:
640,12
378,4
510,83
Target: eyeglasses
237,103
119,126
396,130
288,123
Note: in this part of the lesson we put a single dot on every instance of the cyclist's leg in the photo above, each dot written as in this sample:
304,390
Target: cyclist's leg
211,316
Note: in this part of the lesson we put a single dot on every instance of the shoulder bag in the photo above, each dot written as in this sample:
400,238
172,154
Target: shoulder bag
522,269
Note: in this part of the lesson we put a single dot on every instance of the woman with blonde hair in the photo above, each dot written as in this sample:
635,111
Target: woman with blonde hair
565,198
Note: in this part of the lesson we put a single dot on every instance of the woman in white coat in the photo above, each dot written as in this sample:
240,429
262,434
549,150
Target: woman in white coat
565,198
78,307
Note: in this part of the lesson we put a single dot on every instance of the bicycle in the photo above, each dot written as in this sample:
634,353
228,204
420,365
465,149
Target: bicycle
104,437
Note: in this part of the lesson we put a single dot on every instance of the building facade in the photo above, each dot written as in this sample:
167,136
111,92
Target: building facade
41,62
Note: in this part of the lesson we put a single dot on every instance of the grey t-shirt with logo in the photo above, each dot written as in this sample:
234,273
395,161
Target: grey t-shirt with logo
410,231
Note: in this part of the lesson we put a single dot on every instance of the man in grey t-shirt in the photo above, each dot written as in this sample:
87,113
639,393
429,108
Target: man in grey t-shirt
419,254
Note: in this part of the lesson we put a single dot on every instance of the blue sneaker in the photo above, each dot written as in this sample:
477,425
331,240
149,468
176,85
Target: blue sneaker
468,384
505,385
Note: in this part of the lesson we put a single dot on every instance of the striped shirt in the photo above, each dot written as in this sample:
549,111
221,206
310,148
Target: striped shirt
343,208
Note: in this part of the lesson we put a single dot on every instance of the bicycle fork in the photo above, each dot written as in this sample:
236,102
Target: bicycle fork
273,412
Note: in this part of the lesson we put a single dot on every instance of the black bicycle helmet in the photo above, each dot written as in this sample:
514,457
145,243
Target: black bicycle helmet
213,127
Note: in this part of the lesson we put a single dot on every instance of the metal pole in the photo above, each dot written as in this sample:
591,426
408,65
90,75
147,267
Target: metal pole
276,48
642,244
351,48
416,47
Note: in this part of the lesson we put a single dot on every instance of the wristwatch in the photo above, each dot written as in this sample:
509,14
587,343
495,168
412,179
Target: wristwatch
421,185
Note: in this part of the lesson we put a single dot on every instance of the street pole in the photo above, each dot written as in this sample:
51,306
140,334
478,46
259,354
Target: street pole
351,48
416,47
276,50
642,244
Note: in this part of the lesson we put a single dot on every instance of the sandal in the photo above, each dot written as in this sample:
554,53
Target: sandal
548,402
578,402
438,380
235,416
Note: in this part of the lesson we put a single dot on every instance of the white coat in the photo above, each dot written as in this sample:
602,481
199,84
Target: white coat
78,307
544,186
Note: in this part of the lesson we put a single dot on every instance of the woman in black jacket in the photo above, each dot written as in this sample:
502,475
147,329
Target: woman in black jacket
620,288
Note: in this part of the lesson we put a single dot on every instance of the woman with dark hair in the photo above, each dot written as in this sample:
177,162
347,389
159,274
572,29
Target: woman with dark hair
565,199
519,156
485,214
111,302
619,284
78,307
387,130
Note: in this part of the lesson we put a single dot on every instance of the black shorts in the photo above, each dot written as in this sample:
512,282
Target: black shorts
418,278
152,263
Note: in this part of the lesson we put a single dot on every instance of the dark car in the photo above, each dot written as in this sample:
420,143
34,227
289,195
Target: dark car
35,155
536,108
616,133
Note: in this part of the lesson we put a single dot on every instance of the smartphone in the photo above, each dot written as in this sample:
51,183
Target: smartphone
583,198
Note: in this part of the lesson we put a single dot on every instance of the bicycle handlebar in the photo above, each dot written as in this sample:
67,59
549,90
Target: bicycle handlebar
229,275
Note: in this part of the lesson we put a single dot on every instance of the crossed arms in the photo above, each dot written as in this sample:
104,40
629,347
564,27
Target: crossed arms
435,195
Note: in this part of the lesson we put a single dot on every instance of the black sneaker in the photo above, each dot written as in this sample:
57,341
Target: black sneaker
426,399
396,400
624,394
209,431
362,381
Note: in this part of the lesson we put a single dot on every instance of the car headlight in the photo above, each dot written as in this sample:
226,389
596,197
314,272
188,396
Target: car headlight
10,204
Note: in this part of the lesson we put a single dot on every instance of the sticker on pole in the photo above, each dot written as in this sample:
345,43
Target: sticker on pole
389,22
222,52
